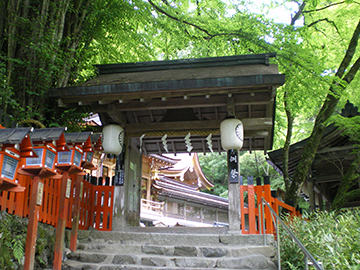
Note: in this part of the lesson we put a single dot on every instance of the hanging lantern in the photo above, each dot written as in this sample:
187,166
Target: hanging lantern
47,144
232,134
14,144
89,152
79,144
87,157
112,140
70,158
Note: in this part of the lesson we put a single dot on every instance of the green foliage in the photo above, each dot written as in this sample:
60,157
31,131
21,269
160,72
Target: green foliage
350,126
50,52
18,247
13,232
332,239
44,44
214,166
309,47
12,241
72,118
45,244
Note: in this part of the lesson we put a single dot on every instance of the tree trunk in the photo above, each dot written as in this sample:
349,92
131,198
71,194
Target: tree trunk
303,168
347,182
286,148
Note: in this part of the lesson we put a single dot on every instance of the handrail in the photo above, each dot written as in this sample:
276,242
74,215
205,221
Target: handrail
152,206
297,241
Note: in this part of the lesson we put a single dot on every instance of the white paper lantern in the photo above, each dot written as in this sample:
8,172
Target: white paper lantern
232,134
112,139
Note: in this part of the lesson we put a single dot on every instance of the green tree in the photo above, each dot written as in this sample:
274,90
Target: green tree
317,50
214,166
47,44
253,164
347,190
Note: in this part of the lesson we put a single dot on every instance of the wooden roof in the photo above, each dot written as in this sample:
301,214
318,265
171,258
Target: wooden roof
181,96
189,173
332,159
167,187
164,160
47,134
14,135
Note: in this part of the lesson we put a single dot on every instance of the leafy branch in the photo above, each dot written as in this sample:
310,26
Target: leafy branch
298,13
328,21
326,7
324,114
183,21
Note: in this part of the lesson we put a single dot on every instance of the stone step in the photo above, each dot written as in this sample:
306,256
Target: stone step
114,237
142,267
178,230
168,250
197,251
117,262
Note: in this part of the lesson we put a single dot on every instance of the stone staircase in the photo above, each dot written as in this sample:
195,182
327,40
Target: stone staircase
169,248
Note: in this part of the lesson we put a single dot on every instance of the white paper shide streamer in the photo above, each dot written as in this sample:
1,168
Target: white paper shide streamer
189,147
141,142
209,142
164,142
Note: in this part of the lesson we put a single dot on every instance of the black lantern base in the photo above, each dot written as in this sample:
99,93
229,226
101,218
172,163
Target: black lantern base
42,172
7,185
71,169
88,165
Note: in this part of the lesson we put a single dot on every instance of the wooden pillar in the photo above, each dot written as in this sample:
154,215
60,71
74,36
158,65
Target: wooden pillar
251,205
35,202
234,190
126,212
268,198
60,228
119,208
148,187
3,200
243,211
76,213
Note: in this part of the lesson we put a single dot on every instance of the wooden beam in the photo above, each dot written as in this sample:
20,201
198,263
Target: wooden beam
253,124
230,106
116,115
207,86
323,191
197,101
209,62
335,149
328,178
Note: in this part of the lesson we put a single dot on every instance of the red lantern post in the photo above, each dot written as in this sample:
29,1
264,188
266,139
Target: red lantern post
14,144
46,143
70,163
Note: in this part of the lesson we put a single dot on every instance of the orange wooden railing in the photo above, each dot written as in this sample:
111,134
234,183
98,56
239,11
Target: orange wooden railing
250,197
96,202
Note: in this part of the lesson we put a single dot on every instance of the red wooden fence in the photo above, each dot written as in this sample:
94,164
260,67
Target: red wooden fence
96,202
250,197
